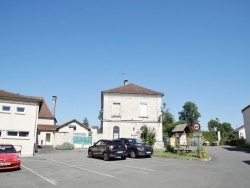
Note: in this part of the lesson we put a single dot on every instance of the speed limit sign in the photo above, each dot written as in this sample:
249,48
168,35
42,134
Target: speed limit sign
196,126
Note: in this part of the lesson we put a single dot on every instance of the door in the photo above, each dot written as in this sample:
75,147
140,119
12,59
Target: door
47,138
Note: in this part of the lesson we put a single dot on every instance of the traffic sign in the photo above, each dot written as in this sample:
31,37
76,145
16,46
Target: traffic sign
196,126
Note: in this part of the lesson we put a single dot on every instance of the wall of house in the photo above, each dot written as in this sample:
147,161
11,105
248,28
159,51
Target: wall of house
46,121
42,138
246,117
78,129
129,119
19,128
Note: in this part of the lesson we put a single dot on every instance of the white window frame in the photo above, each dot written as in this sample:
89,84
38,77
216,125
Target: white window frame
17,112
143,110
18,134
6,111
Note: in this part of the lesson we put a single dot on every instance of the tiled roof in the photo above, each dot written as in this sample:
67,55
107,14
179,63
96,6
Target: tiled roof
72,121
41,127
133,89
9,95
245,108
44,112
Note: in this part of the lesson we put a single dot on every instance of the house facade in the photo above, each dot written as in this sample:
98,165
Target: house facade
240,132
46,124
18,120
246,118
73,132
127,108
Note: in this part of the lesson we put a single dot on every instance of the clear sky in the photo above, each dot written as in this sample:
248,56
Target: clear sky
193,50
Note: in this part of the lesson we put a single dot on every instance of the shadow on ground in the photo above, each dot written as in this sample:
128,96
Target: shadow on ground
246,150
247,162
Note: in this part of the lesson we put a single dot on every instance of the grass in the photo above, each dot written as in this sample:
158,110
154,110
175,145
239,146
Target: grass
183,155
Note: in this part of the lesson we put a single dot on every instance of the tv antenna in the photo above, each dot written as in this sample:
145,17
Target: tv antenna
123,73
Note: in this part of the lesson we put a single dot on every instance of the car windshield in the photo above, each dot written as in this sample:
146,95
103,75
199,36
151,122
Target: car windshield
135,141
7,149
115,142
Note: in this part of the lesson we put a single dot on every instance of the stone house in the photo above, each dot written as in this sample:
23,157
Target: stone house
240,132
127,108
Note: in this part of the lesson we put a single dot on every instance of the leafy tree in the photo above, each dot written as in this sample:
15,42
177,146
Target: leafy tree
85,122
147,135
226,131
100,117
189,113
167,123
213,125
209,136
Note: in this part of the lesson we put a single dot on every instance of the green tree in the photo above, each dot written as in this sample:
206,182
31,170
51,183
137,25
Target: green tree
100,117
147,135
189,113
213,125
85,122
167,123
209,136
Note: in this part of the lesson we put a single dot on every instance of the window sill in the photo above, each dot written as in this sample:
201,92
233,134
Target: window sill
19,113
5,112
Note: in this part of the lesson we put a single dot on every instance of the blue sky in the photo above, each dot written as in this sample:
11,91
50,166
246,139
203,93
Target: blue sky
196,51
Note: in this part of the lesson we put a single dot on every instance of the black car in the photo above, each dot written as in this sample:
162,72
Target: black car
107,149
136,148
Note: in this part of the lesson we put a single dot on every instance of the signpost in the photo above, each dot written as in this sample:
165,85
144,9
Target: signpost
197,133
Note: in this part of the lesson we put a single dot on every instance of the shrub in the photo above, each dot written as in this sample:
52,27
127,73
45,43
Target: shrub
170,149
241,143
65,146
203,153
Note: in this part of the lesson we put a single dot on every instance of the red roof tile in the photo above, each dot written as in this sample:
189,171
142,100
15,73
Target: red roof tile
133,89
44,112
41,127
9,95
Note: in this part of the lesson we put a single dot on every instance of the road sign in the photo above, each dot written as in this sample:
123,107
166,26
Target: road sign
196,126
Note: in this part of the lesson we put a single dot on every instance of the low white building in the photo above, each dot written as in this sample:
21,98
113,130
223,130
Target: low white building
246,118
240,132
129,107
18,120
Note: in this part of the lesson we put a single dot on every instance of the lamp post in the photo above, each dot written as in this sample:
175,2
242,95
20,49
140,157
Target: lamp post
218,132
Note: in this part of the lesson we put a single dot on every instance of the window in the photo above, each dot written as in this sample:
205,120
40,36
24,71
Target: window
116,109
18,134
116,132
143,110
47,137
5,108
20,110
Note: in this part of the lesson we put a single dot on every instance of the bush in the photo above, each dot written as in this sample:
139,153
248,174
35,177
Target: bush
203,153
170,149
241,143
65,146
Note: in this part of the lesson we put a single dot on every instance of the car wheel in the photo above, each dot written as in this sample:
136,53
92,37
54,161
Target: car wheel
90,154
123,158
132,154
105,157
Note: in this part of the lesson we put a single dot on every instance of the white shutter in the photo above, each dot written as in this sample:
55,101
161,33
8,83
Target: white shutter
143,110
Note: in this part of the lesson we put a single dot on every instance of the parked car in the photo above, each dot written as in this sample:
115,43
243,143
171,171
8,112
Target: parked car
107,149
9,157
136,148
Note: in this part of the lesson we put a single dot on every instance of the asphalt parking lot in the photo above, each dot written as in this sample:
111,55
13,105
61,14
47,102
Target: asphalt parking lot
55,168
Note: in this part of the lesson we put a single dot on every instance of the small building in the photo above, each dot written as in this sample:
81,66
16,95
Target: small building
73,132
180,132
240,132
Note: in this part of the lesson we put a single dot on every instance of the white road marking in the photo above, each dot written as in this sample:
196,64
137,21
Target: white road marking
132,167
53,182
82,168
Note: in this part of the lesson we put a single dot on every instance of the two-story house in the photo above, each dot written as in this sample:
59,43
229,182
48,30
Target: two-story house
18,120
129,107
246,118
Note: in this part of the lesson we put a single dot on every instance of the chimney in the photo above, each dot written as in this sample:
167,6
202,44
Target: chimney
53,105
125,82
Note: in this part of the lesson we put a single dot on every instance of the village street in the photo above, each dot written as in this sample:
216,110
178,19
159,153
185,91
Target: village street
55,168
